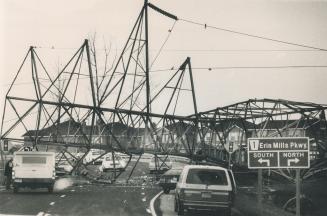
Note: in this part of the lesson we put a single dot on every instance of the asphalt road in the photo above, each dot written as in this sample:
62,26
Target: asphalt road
75,196
166,208
80,200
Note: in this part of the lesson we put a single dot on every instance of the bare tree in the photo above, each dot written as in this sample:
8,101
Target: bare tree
103,68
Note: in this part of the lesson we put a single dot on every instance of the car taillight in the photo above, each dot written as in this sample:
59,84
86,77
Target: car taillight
182,193
230,197
53,174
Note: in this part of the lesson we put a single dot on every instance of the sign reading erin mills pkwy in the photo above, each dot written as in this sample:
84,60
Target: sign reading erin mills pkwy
278,152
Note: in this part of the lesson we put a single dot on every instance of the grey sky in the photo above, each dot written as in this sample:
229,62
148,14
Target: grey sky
65,24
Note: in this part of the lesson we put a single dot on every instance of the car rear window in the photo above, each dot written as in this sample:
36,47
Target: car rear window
109,158
34,160
207,177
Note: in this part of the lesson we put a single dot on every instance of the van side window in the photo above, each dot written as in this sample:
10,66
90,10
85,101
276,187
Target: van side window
207,177
34,160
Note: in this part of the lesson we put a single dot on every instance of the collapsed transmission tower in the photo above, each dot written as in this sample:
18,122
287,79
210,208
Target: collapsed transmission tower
77,110
117,113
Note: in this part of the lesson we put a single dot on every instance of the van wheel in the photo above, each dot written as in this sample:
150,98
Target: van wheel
50,189
228,212
15,189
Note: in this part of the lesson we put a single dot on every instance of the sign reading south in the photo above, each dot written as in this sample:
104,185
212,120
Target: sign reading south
263,159
269,144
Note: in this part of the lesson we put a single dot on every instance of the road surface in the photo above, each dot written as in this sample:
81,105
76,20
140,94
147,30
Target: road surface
80,200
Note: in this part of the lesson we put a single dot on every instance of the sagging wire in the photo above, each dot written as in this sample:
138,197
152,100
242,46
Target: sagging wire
250,35
164,43
196,68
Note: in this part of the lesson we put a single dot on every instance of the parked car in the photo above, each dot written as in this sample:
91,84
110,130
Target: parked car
63,167
33,170
109,164
205,187
160,163
94,156
169,180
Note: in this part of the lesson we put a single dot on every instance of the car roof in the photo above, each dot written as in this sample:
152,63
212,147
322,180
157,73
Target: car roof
30,153
161,156
203,167
173,172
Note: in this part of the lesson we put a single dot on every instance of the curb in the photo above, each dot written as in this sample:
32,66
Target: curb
153,212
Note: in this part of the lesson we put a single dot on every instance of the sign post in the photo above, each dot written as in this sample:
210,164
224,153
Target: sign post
260,189
298,192
230,151
279,153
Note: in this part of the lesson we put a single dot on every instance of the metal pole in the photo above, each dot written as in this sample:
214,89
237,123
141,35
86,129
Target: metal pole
229,160
260,192
298,192
146,71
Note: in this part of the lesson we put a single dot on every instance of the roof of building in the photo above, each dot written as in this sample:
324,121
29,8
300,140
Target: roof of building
75,128
228,124
274,124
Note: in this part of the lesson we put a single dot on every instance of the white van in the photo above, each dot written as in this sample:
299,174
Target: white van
205,187
34,170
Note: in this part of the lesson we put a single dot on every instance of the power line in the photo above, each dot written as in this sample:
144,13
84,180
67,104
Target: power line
193,68
260,67
251,35
200,50
164,43
246,67
240,50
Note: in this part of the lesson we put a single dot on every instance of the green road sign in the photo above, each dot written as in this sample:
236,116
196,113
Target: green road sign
278,152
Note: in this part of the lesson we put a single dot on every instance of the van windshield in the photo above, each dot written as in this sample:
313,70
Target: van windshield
207,177
34,160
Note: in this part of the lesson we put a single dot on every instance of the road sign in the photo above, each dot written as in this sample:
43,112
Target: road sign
278,152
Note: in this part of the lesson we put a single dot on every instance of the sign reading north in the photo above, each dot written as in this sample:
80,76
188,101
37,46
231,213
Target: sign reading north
292,159
279,152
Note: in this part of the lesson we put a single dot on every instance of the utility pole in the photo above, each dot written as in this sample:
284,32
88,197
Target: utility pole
298,192
146,71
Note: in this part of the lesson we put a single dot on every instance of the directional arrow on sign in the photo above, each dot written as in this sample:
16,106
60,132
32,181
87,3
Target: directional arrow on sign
295,160
264,161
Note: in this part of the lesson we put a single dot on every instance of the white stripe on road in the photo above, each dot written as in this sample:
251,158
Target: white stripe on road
153,212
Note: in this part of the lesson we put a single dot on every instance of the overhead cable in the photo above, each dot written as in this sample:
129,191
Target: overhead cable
164,43
251,35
